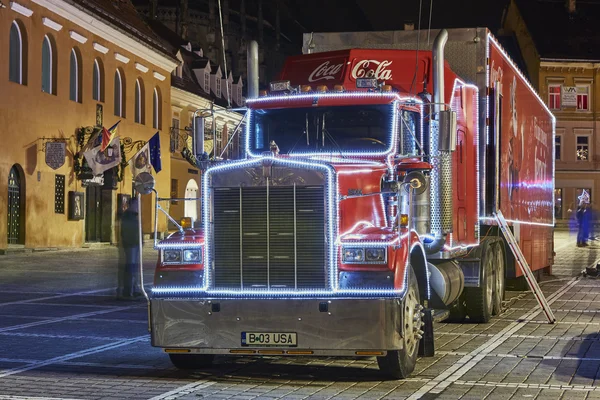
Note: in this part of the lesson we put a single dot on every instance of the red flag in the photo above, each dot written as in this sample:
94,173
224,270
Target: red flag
108,135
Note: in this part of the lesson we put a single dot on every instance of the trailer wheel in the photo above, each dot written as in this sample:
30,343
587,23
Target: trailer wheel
399,364
191,361
499,277
480,300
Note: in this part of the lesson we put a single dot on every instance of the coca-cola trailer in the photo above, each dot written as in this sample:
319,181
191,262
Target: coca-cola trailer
364,209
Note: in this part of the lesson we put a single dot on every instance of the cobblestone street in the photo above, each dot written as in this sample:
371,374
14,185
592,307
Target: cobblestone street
63,335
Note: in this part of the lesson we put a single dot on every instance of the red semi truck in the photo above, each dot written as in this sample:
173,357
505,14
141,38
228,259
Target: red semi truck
364,209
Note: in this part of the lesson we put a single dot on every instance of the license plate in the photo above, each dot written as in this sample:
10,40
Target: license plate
277,339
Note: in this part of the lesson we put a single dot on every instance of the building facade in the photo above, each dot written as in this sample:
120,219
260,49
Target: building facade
68,65
560,51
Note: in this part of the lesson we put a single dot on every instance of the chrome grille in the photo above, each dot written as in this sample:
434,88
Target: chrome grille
269,237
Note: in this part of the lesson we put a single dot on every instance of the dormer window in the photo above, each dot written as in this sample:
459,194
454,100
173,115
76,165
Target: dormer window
206,82
218,87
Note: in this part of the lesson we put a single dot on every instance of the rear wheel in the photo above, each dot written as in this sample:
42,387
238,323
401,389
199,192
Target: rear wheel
400,364
191,361
479,300
499,277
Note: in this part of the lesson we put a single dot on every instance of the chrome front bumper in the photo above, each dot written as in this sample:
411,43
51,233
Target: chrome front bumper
344,326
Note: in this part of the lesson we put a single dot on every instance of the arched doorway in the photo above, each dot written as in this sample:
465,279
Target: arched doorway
16,206
191,207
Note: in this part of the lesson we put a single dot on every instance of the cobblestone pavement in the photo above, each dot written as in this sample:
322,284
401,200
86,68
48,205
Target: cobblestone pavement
64,336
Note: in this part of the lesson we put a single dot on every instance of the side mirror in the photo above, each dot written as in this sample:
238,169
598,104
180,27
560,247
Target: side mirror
447,135
198,137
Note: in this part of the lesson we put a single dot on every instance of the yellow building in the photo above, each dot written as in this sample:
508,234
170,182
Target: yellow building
67,65
561,53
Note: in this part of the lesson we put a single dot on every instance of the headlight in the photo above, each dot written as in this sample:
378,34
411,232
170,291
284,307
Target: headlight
192,256
364,255
172,256
353,255
375,254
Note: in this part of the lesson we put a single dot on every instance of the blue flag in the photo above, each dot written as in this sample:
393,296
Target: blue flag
154,145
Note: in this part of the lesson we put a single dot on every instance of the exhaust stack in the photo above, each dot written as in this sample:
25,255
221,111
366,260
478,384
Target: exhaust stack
252,64
442,142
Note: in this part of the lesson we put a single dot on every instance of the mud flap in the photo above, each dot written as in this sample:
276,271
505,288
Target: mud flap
426,345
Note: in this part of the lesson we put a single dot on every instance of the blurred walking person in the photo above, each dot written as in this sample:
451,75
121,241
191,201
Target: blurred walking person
130,241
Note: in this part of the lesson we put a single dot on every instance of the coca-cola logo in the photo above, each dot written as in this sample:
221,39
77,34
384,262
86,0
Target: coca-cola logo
325,71
372,69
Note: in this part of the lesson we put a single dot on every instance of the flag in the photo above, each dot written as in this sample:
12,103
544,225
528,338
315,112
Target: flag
95,140
100,161
154,143
108,135
141,161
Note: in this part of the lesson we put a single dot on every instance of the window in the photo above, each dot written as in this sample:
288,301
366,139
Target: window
15,54
554,97
98,81
156,110
557,147
48,66
139,101
582,98
119,94
75,76
174,134
206,82
583,143
557,203
218,87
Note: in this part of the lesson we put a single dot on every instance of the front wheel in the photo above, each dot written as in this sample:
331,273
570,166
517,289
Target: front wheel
401,363
191,361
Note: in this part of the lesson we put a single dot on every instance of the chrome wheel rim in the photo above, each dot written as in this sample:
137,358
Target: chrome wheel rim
499,275
489,279
413,321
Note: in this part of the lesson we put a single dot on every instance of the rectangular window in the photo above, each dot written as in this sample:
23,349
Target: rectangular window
218,87
583,98
557,147
174,190
557,203
206,82
59,194
583,146
174,134
554,97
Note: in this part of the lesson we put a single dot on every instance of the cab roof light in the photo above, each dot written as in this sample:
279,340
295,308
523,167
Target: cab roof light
262,93
305,88
322,88
339,88
386,88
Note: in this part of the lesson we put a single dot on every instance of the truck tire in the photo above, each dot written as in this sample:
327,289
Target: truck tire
499,277
479,300
191,361
399,364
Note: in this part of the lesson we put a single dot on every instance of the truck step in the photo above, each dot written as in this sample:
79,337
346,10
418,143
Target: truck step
440,315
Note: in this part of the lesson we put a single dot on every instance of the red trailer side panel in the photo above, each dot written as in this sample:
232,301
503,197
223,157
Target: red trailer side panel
525,158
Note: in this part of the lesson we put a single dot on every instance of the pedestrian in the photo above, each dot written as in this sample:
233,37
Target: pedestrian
583,220
130,242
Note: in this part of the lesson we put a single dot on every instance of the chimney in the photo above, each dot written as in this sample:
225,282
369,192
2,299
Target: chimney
571,6
409,26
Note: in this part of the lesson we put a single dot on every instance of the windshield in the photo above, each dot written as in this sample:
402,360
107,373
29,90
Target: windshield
337,129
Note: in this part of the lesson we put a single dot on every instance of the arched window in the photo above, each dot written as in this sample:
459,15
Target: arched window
15,54
119,94
156,110
75,76
98,81
139,101
48,66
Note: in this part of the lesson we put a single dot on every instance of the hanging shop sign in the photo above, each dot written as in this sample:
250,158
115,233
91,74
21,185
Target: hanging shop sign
55,154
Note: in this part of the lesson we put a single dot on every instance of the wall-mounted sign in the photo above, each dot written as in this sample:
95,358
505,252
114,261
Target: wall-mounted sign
55,154
95,181
569,96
